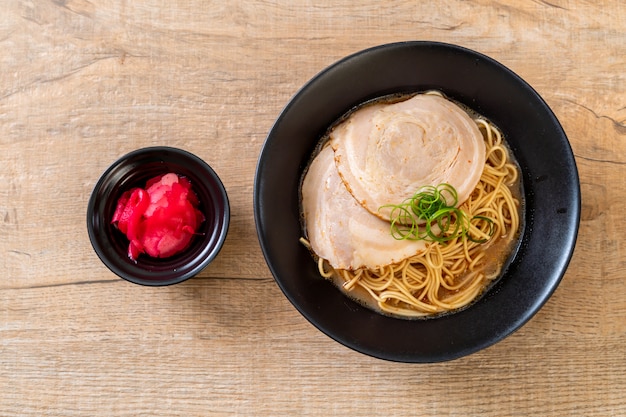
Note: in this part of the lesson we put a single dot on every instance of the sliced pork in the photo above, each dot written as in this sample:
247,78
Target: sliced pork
385,152
339,229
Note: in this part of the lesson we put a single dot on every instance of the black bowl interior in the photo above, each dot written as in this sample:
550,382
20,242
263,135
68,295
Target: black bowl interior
550,182
133,170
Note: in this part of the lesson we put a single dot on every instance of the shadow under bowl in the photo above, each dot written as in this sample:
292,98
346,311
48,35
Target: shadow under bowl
133,170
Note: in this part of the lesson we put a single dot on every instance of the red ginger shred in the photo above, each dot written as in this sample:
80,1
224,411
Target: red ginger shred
160,220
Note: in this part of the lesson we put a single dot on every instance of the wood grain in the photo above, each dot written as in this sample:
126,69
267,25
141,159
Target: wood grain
82,83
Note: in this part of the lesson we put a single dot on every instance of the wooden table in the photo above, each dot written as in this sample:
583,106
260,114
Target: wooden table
82,83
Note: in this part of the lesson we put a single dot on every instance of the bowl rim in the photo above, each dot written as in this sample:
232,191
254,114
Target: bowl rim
456,347
156,277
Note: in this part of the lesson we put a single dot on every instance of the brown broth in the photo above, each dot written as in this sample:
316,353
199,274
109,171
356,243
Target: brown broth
497,255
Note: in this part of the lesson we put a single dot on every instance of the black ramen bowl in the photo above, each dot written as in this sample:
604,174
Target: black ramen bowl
549,179
133,170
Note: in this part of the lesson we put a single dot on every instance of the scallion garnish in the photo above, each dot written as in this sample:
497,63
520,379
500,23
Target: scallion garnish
431,214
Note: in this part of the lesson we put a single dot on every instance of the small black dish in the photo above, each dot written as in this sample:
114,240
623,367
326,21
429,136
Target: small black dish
133,170
550,183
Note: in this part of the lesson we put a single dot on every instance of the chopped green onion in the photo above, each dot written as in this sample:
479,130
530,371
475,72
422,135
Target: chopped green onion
490,233
431,215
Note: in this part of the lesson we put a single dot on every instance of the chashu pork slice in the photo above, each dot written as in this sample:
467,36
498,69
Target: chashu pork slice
386,152
339,229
